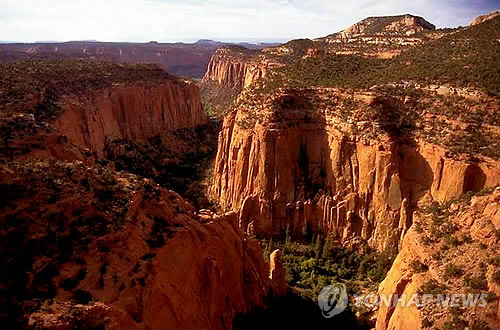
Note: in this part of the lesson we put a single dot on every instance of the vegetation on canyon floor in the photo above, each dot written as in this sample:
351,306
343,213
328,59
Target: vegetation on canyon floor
160,159
312,265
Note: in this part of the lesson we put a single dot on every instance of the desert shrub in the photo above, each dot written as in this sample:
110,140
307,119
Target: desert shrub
491,296
496,277
479,325
494,261
432,287
452,270
418,266
476,282
426,323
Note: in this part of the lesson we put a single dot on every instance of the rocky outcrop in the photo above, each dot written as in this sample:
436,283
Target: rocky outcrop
277,274
427,264
134,113
234,68
151,260
480,19
299,170
382,37
74,232
404,25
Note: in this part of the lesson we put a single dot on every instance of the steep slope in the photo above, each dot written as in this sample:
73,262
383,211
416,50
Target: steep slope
75,231
451,249
231,67
352,147
98,235
319,159
230,70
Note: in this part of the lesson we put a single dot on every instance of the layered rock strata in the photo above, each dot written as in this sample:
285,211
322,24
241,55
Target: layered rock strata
298,170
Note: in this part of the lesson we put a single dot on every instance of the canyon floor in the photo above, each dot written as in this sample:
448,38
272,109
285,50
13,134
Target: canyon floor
369,158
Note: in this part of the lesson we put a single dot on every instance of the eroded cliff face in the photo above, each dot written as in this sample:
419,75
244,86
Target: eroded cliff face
234,68
129,113
461,259
301,170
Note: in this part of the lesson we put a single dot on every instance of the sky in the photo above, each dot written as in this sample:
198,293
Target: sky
224,20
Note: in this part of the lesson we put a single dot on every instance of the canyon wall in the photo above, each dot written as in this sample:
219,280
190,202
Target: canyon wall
234,70
303,173
201,278
424,262
129,113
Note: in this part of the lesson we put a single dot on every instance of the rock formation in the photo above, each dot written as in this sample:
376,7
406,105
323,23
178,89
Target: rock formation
129,113
298,169
482,18
232,68
277,274
461,260
75,232
78,109
151,259
405,25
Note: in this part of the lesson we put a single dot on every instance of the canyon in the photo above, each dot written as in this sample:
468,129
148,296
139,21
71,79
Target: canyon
110,249
299,155
132,198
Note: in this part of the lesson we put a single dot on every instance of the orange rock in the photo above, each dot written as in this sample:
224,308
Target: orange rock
233,69
472,220
309,175
131,113
277,274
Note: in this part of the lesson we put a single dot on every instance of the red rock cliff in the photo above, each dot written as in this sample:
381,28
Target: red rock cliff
143,252
234,68
129,113
300,170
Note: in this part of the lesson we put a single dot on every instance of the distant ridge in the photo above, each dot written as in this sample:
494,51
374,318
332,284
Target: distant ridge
400,25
